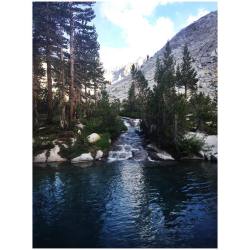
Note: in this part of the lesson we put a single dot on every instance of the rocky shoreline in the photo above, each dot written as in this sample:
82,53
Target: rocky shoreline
154,153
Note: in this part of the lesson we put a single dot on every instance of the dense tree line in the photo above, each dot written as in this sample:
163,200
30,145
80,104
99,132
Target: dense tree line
67,73
173,107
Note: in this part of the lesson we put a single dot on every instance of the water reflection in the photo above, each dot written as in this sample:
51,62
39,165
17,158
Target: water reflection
125,204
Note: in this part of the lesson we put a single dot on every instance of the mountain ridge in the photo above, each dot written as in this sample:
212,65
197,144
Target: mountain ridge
201,38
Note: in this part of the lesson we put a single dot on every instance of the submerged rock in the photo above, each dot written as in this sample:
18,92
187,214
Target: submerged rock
83,157
93,138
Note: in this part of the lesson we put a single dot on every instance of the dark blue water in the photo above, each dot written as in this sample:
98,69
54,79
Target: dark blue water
125,204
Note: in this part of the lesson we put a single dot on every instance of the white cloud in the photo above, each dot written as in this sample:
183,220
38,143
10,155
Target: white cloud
142,37
200,13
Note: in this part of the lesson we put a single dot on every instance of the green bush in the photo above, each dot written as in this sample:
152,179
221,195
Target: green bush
79,147
190,145
39,145
103,143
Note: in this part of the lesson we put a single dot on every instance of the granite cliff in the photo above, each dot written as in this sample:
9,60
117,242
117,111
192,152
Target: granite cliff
201,38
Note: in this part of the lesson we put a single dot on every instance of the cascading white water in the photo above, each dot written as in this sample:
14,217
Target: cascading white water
129,144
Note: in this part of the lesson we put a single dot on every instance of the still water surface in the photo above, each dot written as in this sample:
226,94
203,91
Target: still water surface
125,203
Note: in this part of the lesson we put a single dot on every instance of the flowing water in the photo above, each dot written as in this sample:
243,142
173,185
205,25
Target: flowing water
126,201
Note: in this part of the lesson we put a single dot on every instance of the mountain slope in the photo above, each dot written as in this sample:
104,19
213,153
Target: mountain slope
201,38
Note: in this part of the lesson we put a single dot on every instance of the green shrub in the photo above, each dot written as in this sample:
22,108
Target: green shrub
39,145
79,147
190,145
103,143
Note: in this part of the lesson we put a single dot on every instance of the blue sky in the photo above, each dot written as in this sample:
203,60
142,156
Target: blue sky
128,29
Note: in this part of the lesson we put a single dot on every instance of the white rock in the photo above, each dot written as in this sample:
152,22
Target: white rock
41,157
54,156
160,153
164,156
83,157
79,125
93,138
79,131
210,146
99,155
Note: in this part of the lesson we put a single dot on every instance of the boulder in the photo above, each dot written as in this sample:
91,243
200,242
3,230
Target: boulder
93,138
99,155
54,156
40,158
79,125
83,157
157,154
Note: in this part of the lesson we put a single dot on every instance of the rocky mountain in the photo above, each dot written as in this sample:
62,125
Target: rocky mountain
201,38
119,73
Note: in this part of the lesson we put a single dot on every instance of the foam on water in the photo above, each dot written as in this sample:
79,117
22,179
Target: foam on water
129,144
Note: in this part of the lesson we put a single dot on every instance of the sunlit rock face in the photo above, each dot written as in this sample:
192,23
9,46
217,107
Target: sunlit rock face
118,73
201,38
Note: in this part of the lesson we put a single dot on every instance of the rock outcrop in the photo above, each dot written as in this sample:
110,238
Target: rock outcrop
201,38
54,156
49,156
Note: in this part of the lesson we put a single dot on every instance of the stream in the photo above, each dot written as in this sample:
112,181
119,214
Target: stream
125,201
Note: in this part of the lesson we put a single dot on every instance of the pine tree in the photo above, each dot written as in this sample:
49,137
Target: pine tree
48,39
37,70
86,71
166,110
131,100
186,74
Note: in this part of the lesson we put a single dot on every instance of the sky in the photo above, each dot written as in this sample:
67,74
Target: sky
129,29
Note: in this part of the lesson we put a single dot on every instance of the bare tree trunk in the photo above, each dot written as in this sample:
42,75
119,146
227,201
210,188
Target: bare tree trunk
49,77
185,91
86,100
71,90
35,96
49,82
62,95
95,94
175,129
77,100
